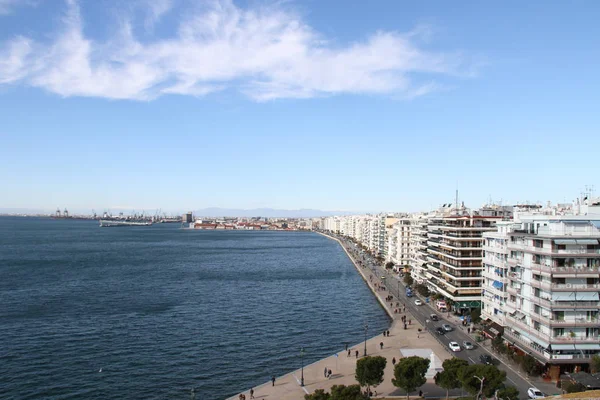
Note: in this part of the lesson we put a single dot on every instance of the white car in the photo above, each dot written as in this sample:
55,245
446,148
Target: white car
535,393
418,302
454,346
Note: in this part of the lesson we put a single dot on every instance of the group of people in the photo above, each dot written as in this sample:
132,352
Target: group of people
327,373
243,396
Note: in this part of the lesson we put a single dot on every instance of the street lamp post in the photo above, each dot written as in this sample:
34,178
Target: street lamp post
302,360
366,330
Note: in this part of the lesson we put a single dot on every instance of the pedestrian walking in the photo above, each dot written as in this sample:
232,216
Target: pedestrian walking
394,361
468,330
348,352
388,333
381,345
273,380
251,393
356,353
420,393
329,374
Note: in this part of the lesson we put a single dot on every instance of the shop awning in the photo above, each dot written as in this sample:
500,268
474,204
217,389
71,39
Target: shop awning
587,241
565,241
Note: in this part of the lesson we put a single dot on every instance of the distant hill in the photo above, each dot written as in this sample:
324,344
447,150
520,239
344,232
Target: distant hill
266,212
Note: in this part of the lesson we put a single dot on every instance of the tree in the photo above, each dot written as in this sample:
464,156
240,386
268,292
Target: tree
471,377
508,393
530,365
476,315
352,392
448,378
409,373
595,363
574,387
338,392
408,280
498,344
389,265
422,290
319,394
369,371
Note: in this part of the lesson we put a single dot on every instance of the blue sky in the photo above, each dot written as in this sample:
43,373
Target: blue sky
334,105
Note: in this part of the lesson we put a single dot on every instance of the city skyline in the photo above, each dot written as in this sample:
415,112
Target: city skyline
295,105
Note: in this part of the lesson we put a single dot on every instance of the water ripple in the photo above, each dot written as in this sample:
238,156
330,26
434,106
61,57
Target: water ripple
161,310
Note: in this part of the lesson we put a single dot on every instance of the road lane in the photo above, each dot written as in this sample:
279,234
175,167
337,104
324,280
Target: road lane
422,313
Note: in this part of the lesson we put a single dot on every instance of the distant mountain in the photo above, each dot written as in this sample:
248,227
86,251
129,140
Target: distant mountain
266,212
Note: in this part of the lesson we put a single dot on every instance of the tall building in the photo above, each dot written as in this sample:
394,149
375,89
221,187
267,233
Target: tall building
418,247
549,268
454,254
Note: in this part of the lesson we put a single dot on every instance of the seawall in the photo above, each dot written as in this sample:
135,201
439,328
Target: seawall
363,274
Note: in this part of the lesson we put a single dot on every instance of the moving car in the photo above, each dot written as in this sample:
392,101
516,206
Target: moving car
447,328
485,359
440,331
454,346
468,345
434,317
535,393
418,302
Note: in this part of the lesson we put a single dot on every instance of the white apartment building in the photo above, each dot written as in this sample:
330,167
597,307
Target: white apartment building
549,268
399,242
418,247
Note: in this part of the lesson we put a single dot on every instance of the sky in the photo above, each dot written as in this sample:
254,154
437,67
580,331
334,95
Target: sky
331,105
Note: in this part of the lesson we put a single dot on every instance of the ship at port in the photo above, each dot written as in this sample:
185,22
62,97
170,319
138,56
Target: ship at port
108,220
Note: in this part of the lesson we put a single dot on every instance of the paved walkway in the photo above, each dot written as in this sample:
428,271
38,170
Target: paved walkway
287,387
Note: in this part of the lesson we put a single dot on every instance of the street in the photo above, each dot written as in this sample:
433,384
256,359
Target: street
423,312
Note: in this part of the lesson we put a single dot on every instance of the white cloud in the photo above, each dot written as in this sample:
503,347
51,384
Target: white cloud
155,10
266,53
8,6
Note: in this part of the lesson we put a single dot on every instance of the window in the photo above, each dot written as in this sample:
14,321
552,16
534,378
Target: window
536,309
538,243
559,332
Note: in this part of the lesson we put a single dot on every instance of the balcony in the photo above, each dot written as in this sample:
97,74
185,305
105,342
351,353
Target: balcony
513,290
592,322
575,304
570,287
540,284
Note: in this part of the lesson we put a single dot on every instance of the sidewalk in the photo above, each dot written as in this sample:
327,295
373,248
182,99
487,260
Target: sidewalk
343,367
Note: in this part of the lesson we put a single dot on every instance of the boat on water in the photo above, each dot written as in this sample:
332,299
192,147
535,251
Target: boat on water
123,222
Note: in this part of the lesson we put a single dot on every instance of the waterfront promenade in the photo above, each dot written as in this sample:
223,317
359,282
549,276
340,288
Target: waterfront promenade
343,366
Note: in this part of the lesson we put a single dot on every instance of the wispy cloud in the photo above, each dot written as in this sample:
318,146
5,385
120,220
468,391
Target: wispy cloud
8,6
265,52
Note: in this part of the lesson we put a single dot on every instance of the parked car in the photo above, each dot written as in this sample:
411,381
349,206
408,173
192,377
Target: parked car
434,317
485,359
418,302
440,331
535,393
454,346
468,345
447,328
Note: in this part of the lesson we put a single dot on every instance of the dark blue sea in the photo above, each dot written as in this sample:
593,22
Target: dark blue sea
160,310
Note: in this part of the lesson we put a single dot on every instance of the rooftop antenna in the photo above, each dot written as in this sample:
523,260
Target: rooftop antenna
456,198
